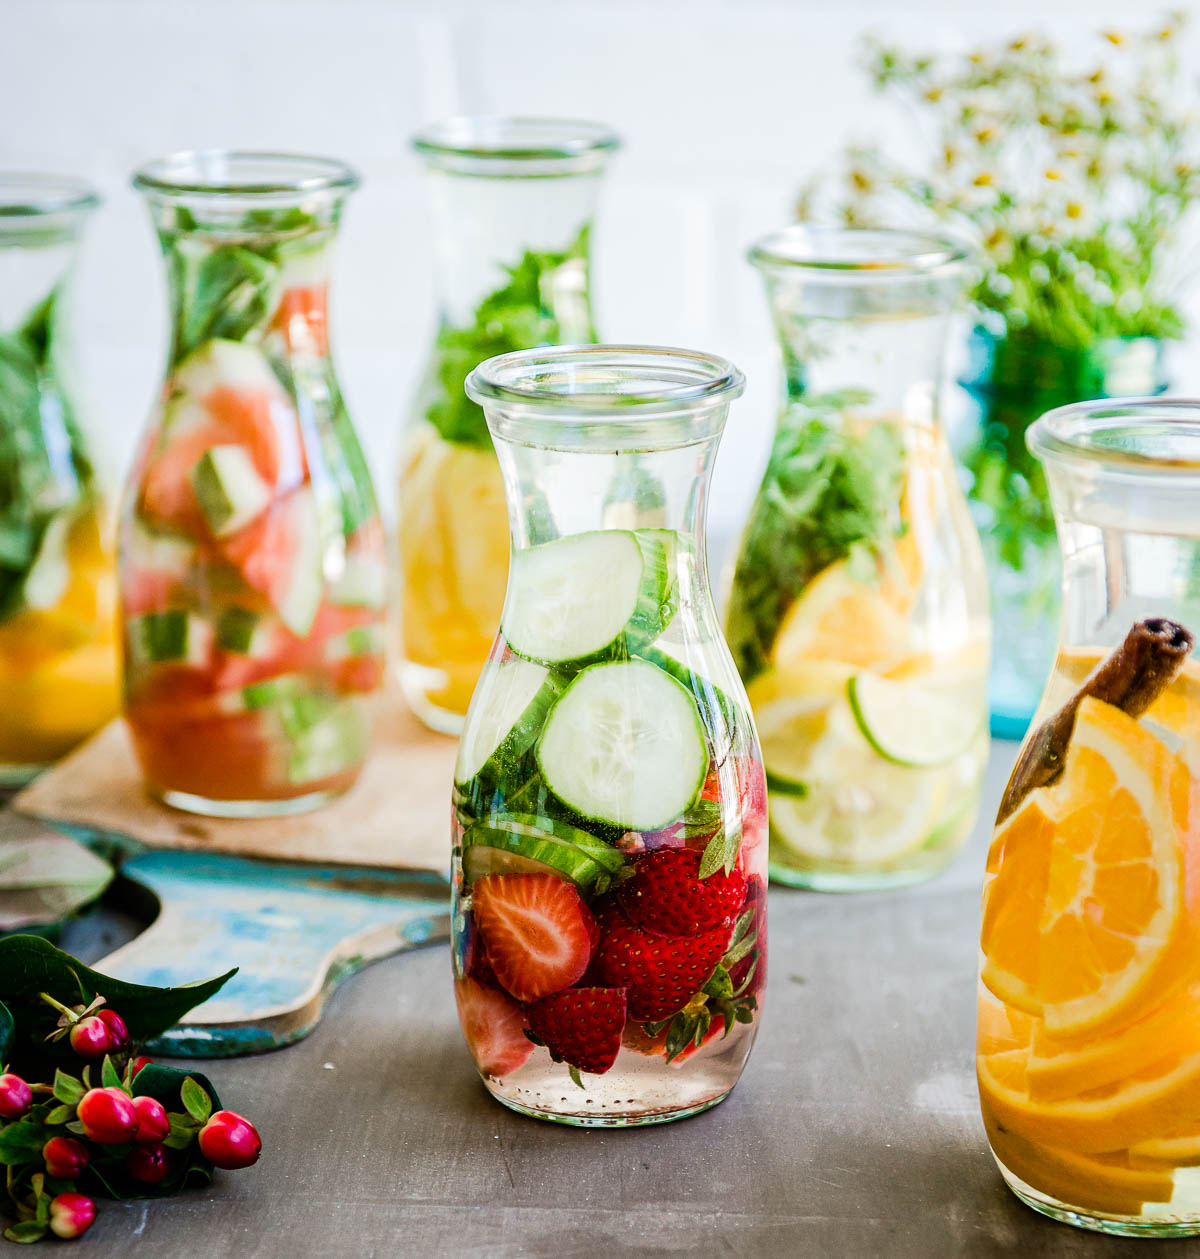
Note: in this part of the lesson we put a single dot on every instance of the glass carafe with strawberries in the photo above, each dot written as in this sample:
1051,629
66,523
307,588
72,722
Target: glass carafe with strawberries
58,648
609,807
512,203
252,566
857,613
1089,1000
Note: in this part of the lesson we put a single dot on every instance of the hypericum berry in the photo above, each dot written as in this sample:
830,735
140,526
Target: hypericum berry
65,1157
116,1029
153,1124
229,1141
108,1115
137,1064
91,1038
71,1215
16,1096
148,1163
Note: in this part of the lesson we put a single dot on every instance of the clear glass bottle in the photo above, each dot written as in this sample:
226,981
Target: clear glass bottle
512,201
857,611
253,565
1089,1000
609,867
58,645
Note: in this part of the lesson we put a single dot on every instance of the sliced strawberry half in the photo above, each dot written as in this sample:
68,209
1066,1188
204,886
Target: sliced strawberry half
493,1026
667,895
660,973
537,930
581,1027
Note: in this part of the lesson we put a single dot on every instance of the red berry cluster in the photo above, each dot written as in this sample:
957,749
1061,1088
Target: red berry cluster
52,1134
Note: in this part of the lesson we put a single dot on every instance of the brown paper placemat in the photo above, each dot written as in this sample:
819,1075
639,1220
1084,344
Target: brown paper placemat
396,816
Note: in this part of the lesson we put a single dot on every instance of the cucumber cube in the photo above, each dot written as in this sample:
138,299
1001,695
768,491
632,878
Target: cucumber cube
229,489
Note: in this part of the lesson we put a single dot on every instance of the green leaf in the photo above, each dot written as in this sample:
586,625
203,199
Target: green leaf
226,294
26,1232
7,1032
67,1089
196,1101
21,1142
45,876
714,855
573,1072
30,965
719,984
749,975
738,951
109,1076
59,1115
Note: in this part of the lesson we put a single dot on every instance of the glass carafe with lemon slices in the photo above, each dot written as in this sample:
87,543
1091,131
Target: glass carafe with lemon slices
512,202
857,613
1089,1001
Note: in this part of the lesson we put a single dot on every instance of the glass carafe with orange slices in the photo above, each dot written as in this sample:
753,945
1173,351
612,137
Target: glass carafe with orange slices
512,202
58,642
1089,1001
857,613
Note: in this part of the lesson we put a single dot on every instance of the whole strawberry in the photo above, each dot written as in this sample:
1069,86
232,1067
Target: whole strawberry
659,973
581,1027
667,895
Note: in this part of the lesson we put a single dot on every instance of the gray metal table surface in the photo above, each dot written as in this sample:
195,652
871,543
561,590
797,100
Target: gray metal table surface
854,1132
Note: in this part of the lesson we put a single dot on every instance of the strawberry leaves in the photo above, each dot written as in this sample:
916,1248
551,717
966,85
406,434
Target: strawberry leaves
721,852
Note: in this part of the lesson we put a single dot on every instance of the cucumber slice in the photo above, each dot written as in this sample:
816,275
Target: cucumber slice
246,633
505,716
624,746
706,692
362,584
300,596
229,489
292,692
920,722
358,640
586,597
324,737
518,845
174,636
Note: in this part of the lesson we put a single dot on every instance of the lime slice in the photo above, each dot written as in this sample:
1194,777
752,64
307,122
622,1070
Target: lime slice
922,722
859,810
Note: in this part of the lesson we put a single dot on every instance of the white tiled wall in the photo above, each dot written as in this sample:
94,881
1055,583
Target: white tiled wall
725,106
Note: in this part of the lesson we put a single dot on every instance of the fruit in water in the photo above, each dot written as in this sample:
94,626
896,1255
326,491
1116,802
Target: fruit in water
108,1115
230,1141
659,973
538,932
494,1028
666,894
71,1215
581,1026
65,1157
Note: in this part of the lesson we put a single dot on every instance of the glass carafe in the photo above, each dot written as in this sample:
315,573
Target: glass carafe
58,647
857,613
1089,1000
512,203
253,564
610,862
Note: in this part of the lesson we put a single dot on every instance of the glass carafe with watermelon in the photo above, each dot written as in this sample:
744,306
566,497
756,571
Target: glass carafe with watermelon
252,565
58,649
858,612
512,202
609,866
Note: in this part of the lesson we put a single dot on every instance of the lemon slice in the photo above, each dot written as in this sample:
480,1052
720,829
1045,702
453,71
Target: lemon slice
920,722
857,810
791,711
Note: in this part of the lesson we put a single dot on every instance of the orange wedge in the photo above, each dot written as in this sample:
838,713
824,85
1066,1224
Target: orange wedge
1083,918
1112,1183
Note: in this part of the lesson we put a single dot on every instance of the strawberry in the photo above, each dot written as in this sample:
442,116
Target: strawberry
493,1026
581,1027
537,931
666,894
660,974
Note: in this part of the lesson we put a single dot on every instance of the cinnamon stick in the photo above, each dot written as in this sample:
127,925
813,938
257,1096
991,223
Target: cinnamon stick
1131,679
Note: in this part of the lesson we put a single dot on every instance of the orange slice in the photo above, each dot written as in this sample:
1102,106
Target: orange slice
1180,1148
1084,897
1112,1183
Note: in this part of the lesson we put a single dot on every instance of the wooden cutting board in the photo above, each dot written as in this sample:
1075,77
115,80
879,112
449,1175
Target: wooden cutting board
296,903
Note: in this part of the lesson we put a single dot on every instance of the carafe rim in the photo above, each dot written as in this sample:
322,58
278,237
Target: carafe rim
1100,434
262,176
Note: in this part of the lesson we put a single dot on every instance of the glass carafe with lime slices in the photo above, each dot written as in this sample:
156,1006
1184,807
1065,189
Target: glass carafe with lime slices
857,613
610,853
58,646
253,565
512,202
1089,1000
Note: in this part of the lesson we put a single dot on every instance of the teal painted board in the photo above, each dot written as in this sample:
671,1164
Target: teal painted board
294,931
